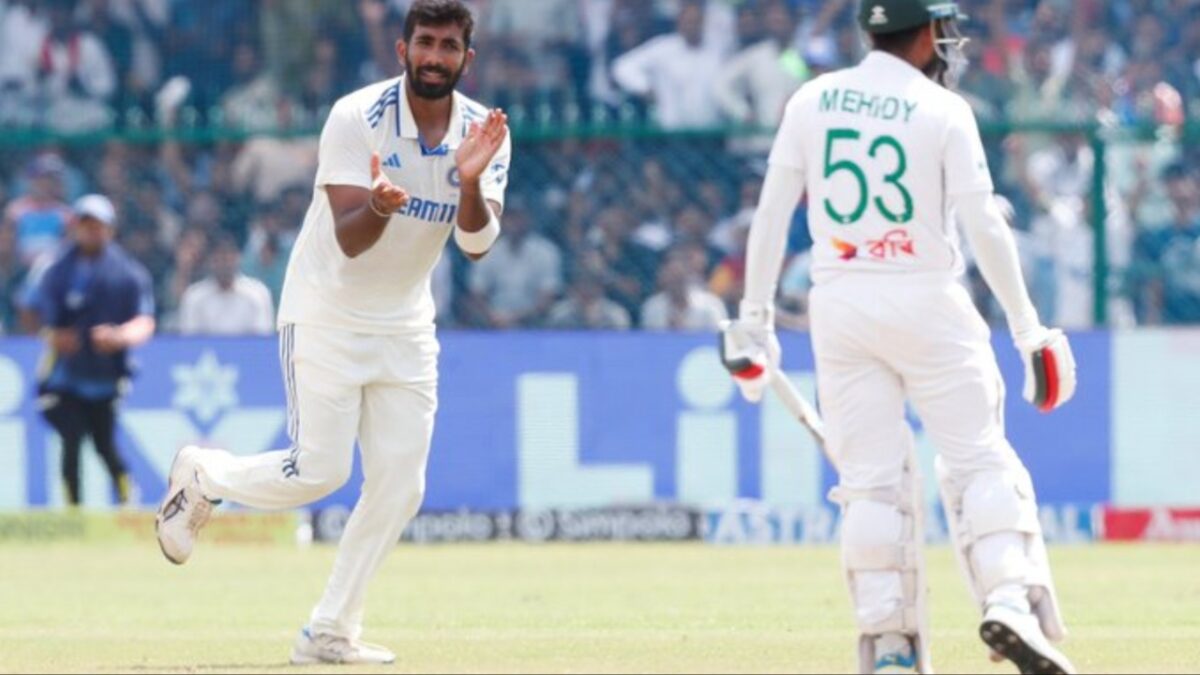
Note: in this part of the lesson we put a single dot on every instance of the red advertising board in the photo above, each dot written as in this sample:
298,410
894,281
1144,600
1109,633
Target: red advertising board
1154,524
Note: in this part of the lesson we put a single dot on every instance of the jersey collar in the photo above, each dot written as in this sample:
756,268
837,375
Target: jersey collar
885,61
407,124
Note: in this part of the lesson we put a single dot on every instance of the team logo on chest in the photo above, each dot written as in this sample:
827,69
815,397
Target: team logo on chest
453,179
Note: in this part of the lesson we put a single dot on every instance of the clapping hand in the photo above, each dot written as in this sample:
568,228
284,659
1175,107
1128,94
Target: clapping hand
386,198
482,143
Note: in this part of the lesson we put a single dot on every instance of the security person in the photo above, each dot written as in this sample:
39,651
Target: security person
96,304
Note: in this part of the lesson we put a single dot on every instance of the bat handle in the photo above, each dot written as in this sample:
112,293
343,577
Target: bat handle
800,408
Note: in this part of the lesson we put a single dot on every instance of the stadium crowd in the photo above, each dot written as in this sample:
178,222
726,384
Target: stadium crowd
641,132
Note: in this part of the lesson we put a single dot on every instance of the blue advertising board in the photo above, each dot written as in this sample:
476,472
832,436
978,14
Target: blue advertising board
541,420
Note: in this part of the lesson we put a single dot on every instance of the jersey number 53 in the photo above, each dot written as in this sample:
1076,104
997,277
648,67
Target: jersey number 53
882,148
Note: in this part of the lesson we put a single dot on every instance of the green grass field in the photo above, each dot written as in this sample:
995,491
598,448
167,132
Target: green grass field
568,608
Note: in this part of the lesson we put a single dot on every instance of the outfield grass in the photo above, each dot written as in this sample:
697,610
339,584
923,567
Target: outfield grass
569,608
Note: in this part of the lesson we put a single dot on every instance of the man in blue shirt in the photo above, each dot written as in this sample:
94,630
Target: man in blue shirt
96,304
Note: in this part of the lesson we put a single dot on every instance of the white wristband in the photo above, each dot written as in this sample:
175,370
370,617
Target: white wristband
480,242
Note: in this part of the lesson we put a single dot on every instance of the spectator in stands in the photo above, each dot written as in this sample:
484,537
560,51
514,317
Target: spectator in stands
693,226
97,304
252,101
723,232
187,269
514,285
586,307
22,31
140,242
658,197
265,256
267,164
73,78
199,44
226,302
117,39
295,38
755,85
682,303
729,278
204,212
612,28
1166,269
322,80
711,197
674,72
39,219
161,219
546,35
1062,169
143,24
626,268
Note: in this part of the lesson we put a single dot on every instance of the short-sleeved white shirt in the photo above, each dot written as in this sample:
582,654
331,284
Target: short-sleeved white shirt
884,149
244,309
385,290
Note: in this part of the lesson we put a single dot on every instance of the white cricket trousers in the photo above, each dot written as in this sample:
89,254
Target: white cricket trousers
380,389
880,340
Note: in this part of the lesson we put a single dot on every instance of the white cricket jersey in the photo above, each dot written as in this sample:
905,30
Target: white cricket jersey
387,288
883,149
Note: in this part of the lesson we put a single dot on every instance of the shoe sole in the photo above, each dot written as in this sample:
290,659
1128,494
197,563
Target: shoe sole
161,506
315,661
1007,643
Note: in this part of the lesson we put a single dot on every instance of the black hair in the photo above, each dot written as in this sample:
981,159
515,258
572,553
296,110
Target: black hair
899,42
224,240
439,13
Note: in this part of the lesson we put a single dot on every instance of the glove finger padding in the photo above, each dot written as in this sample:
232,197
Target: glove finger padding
1050,373
748,359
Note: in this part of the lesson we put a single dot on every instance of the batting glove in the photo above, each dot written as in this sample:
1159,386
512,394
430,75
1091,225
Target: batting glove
750,350
1049,367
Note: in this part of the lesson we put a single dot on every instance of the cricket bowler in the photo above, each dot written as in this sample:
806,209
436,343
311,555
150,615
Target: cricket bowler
403,165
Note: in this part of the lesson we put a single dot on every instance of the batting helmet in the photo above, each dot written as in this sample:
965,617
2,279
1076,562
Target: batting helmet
891,16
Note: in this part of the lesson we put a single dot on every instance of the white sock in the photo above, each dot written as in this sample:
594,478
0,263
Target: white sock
892,643
1014,596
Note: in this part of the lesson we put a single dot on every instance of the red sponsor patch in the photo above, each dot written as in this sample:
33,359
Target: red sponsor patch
894,244
1155,524
846,250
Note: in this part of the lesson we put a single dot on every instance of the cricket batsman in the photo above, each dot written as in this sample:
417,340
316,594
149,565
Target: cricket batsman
891,159
403,165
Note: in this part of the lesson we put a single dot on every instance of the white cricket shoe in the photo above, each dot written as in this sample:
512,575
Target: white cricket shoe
184,510
311,649
1017,636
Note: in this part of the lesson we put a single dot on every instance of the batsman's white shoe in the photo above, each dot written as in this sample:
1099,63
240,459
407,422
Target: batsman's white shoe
311,649
184,511
1018,637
